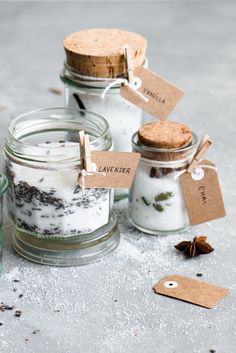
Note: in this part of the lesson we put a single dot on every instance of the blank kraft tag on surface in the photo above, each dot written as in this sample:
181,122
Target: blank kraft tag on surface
118,169
202,194
191,290
162,95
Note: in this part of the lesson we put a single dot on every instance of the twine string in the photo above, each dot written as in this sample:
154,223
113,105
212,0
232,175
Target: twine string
204,166
83,173
125,82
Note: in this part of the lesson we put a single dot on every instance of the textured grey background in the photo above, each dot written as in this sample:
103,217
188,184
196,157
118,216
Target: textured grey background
109,306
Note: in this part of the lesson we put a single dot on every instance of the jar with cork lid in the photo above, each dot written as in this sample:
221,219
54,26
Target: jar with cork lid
94,70
156,203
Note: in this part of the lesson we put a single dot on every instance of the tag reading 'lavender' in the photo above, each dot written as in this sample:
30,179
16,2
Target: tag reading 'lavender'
191,290
117,169
202,193
162,95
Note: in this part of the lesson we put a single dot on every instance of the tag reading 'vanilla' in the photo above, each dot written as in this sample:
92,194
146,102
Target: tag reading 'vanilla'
113,169
191,290
162,95
202,193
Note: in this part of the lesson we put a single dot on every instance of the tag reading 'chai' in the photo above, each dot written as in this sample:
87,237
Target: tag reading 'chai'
117,169
202,194
191,290
162,95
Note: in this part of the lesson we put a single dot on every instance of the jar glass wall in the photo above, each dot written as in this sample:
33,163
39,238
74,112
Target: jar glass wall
123,117
54,220
156,203
3,188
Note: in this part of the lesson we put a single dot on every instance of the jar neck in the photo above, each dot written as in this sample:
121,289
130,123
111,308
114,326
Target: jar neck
69,75
175,164
52,135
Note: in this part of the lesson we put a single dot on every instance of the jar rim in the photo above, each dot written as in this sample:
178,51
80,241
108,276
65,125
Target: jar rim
139,146
3,184
184,153
52,119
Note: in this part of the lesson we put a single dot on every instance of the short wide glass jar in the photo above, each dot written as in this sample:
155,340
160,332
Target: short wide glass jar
156,204
54,220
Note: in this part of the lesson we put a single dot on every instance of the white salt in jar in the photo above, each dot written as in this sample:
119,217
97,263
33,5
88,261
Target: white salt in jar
156,203
95,59
54,220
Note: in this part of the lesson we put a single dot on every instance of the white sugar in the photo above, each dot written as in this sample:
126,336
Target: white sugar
49,202
147,208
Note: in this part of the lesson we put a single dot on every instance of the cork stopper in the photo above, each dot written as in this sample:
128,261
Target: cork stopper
165,134
170,140
100,52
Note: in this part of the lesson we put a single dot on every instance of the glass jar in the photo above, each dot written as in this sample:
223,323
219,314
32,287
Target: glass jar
96,59
3,188
124,117
156,203
54,220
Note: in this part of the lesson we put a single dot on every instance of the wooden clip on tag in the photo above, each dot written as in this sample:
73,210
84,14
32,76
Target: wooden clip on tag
81,141
201,188
129,64
133,83
201,150
85,159
85,152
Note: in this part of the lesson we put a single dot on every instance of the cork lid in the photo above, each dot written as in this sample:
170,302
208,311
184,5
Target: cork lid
100,52
165,141
165,134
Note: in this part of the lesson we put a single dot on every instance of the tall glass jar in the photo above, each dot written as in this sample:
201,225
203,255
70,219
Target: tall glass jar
94,61
3,188
54,220
156,203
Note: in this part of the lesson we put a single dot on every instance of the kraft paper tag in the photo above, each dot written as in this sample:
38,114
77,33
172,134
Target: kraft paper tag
202,194
162,95
115,169
191,290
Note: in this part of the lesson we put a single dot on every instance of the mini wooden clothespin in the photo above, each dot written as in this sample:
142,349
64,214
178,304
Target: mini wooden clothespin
81,142
129,64
201,150
85,152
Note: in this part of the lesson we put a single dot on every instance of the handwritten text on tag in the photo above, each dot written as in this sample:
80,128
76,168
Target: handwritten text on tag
162,95
114,169
202,193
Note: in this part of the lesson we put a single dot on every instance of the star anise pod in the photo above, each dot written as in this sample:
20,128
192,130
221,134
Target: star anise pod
197,246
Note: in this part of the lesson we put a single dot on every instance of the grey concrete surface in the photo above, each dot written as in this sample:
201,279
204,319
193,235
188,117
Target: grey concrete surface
109,306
